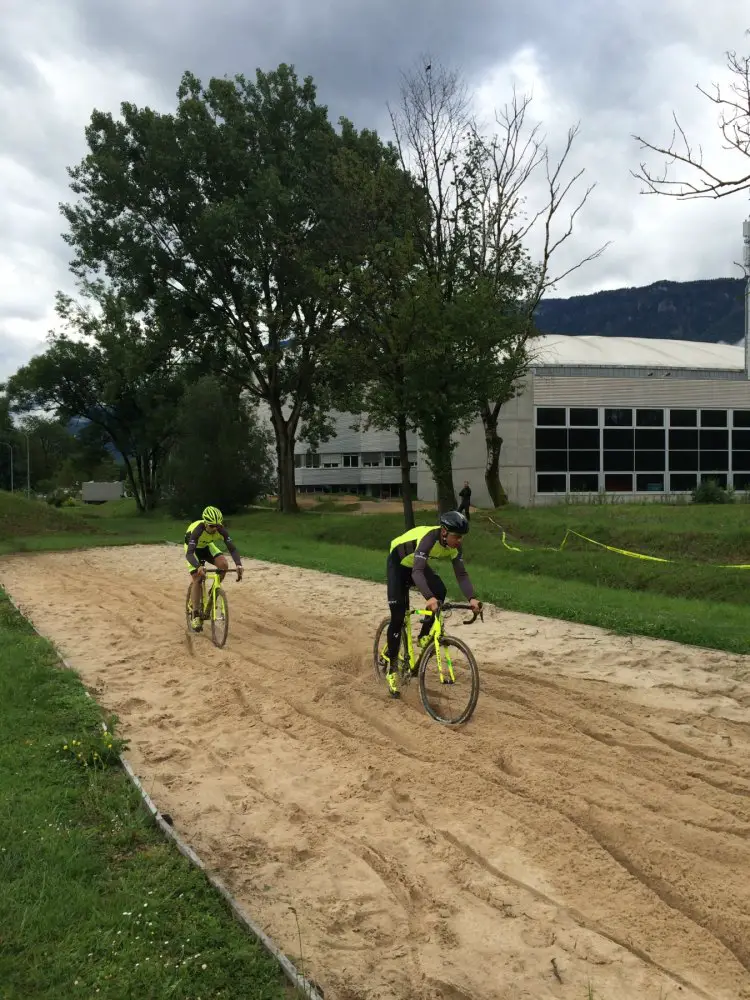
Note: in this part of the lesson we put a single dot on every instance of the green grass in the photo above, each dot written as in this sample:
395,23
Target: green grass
690,600
94,901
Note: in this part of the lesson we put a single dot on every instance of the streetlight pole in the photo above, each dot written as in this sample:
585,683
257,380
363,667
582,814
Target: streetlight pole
28,467
9,446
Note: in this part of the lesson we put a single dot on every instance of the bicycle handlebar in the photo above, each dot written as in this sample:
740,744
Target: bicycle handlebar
450,606
215,569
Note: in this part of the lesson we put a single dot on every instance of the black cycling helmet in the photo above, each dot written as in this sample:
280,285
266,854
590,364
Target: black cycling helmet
455,521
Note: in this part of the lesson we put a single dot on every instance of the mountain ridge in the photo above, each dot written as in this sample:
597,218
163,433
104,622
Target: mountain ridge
709,310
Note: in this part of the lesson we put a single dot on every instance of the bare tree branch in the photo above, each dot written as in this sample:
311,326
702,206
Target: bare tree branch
699,180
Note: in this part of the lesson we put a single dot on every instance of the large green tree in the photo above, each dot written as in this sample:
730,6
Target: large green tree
113,369
229,218
484,284
221,454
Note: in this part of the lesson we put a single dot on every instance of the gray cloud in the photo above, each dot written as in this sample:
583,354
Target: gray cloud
618,68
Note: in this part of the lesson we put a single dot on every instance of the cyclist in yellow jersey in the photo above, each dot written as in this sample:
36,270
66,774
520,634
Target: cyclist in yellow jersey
200,547
407,567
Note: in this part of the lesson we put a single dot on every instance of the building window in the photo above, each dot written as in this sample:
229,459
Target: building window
713,418
298,461
548,416
391,460
682,482
584,483
550,484
645,450
617,482
683,418
370,460
312,461
584,417
330,465
649,482
720,478
649,418
350,461
618,418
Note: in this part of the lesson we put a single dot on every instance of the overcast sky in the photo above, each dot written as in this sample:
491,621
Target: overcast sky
617,66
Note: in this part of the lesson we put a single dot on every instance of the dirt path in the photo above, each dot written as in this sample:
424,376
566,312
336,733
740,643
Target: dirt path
596,811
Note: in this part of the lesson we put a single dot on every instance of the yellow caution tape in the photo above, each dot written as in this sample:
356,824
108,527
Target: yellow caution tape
602,545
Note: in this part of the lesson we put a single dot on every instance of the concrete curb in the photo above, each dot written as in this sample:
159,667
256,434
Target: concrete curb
307,987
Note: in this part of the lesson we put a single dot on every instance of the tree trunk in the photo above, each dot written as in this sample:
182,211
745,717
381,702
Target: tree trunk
284,461
403,451
494,444
439,450
131,477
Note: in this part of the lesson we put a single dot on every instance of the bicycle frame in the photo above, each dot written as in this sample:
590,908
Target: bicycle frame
436,633
208,591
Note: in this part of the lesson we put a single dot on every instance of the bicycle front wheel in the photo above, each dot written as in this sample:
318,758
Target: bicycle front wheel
220,618
449,682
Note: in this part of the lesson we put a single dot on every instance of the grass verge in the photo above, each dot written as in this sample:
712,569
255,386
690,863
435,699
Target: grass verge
95,903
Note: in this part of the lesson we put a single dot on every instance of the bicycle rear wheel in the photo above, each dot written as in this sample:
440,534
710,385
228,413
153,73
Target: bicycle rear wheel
220,618
450,689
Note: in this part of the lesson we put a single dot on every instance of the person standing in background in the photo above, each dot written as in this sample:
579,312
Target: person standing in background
465,495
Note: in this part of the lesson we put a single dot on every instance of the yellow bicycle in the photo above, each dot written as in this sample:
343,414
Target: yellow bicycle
445,666
214,606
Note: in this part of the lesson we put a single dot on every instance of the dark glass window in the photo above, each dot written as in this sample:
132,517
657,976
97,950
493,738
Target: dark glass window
649,418
713,418
714,440
741,418
585,484
553,461
650,461
718,460
584,461
741,460
618,418
683,461
741,439
683,439
649,439
720,478
583,438
551,437
683,418
620,439
742,480
618,461
649,482
550,416
583,416
614,483
550,484
682,482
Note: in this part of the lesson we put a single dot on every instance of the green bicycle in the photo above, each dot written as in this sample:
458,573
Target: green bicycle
214,605
444,665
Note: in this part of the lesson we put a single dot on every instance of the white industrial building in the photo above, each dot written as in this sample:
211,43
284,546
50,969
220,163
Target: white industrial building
624,416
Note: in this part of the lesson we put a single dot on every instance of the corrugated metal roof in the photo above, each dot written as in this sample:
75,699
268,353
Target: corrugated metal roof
616,352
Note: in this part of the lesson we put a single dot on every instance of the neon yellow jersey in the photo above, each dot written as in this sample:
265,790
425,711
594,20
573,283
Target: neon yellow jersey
424,540
196,537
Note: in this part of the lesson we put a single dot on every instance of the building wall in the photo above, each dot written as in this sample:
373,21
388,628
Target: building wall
644,391
350,439
516,428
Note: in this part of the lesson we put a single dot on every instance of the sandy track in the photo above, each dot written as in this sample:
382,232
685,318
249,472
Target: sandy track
596,811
